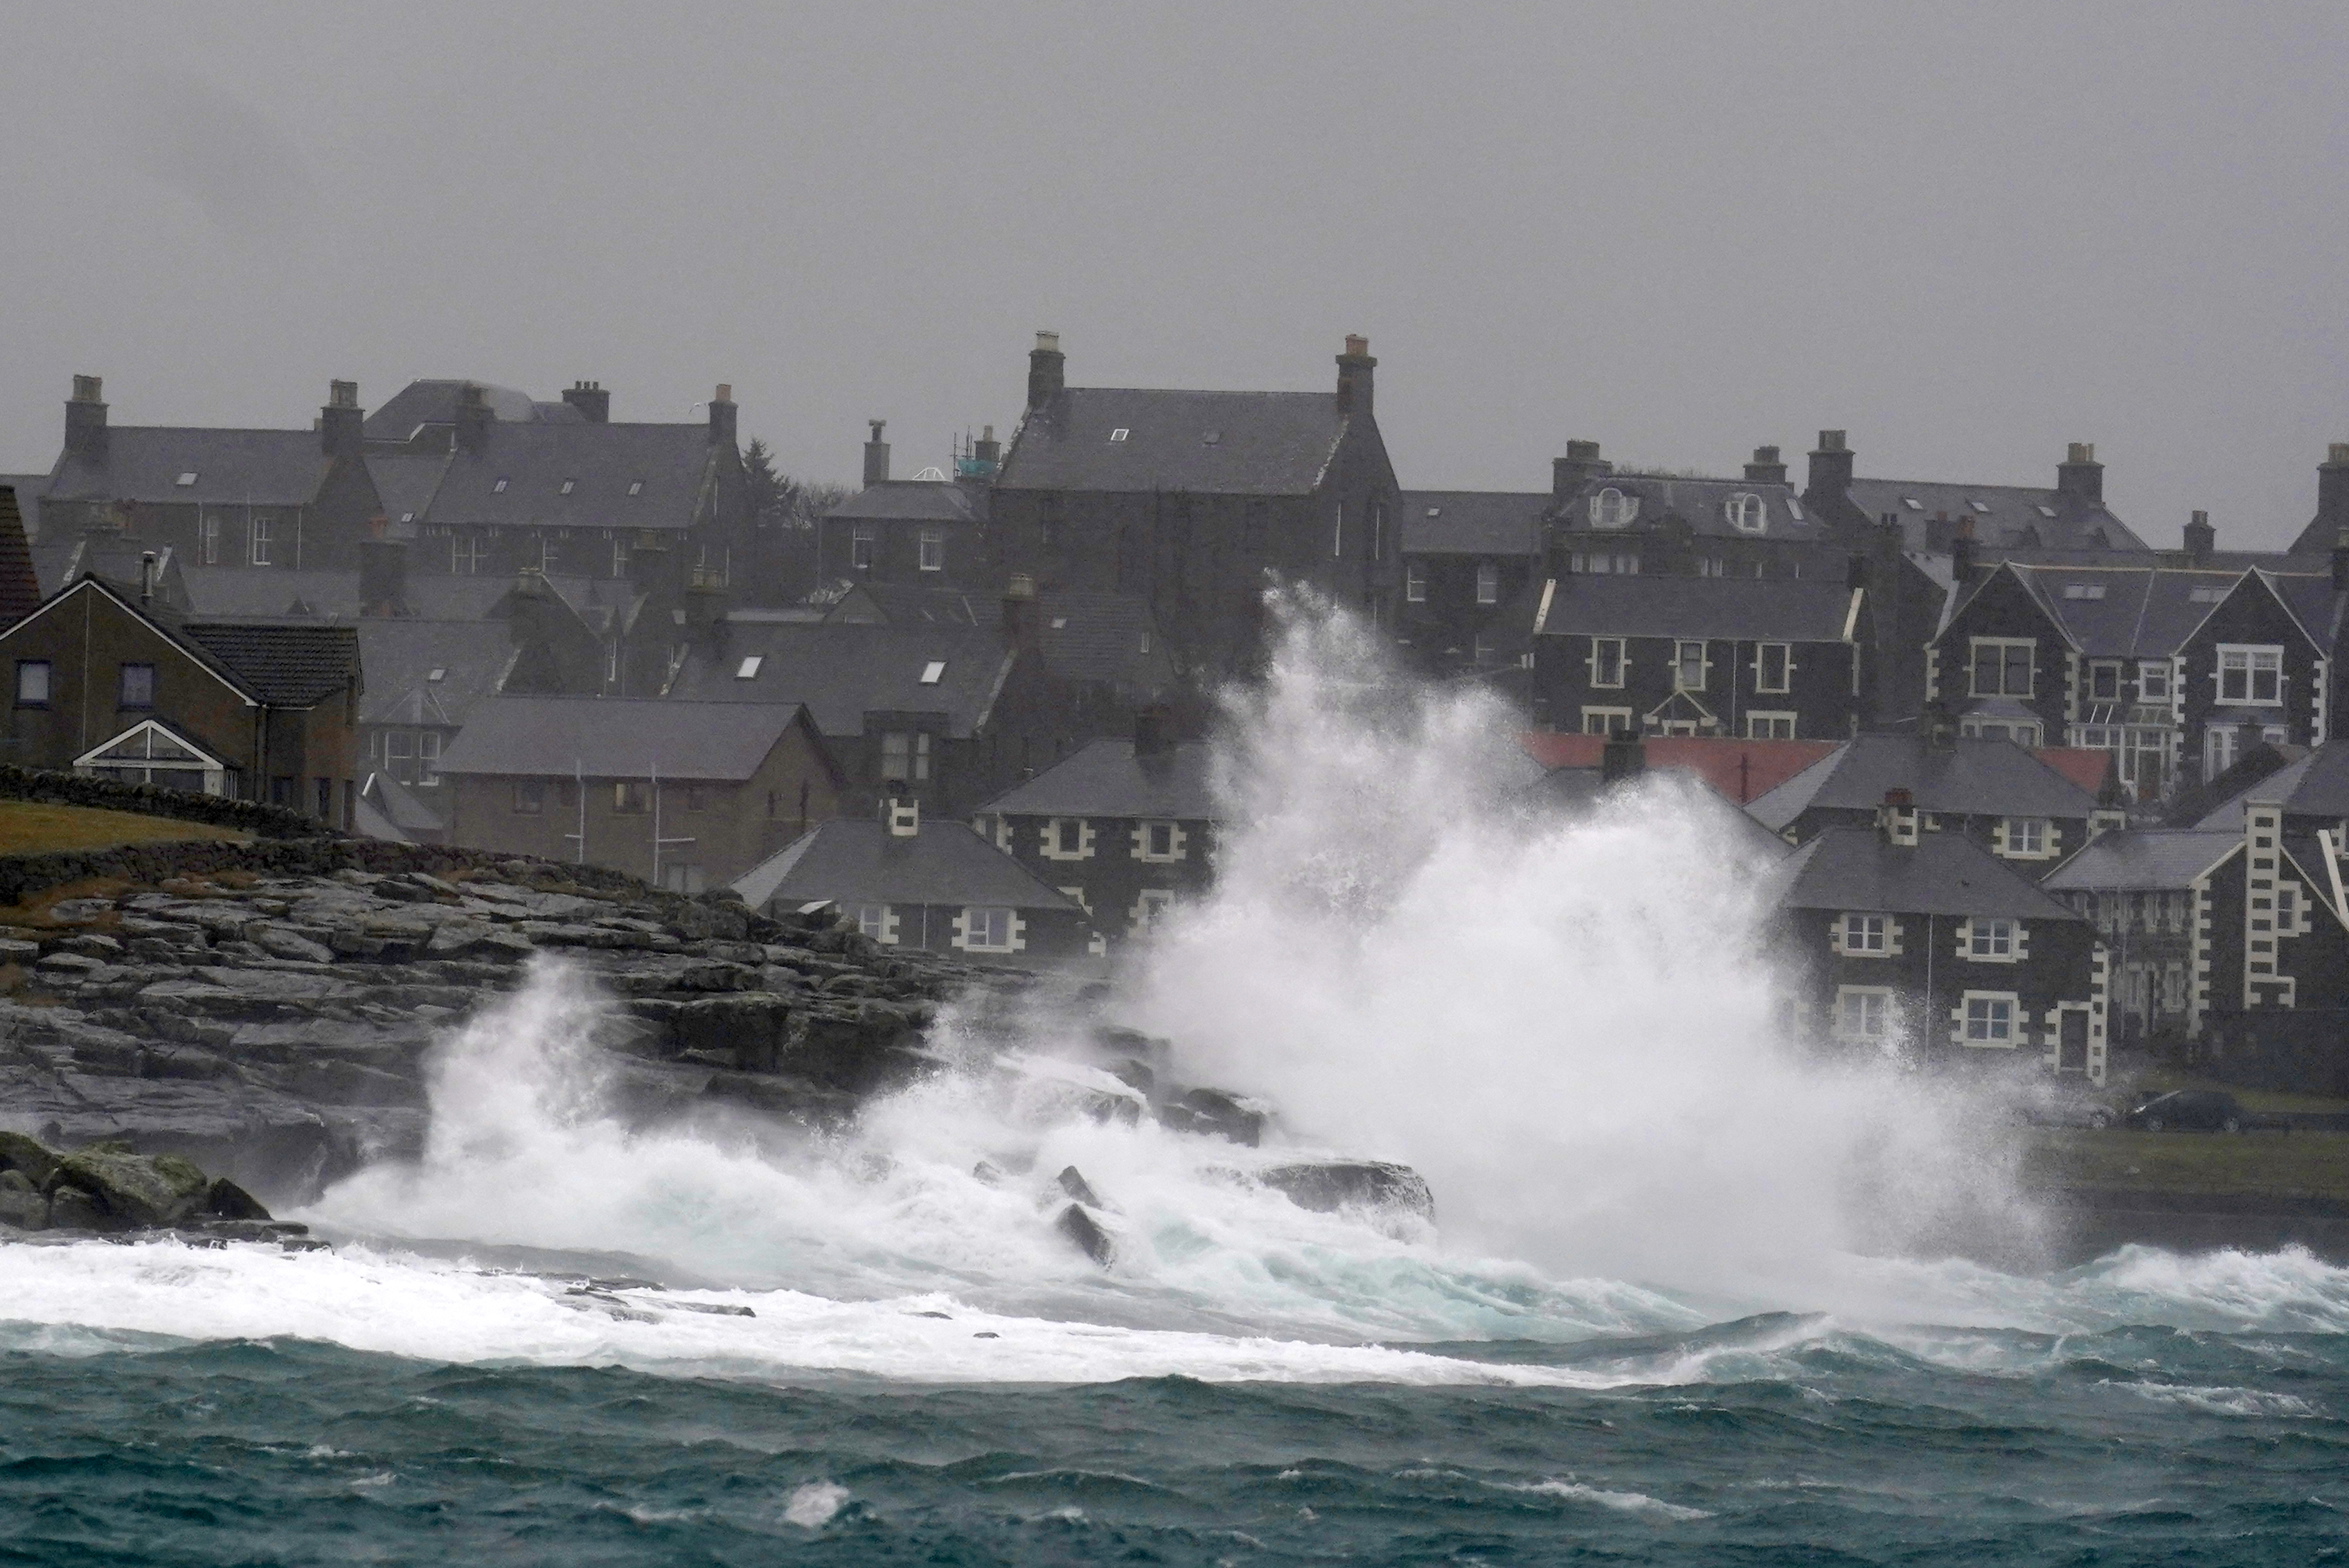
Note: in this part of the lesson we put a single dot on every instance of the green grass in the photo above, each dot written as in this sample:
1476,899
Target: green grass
31,826
2294,1164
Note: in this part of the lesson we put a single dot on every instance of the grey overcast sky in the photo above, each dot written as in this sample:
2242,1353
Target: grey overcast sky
1969,233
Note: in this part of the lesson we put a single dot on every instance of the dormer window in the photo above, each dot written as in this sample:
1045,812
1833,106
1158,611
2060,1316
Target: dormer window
1746,513
500,487
1118,435
1610,508
567,487
635,487
185,480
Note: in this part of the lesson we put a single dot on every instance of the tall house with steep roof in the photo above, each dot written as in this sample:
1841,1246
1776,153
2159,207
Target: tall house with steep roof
1195,500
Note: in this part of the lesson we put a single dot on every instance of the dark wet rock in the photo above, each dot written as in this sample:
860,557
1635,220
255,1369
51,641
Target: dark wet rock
71,1209
134,1190
279,941
1333,1185
28,1158
227,1201
1085,1234
1072,1182
1216,1114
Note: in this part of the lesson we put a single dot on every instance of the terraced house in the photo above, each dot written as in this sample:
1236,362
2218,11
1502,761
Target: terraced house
1742,657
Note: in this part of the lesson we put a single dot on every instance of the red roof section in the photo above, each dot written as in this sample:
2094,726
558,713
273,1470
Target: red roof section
2088,769
1742,770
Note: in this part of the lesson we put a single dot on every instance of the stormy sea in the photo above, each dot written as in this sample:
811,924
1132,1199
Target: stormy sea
1692,1292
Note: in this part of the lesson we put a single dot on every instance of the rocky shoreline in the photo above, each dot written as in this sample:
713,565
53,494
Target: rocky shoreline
275,1026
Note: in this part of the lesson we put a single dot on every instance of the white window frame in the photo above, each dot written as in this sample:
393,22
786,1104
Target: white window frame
1178,841
208,528
878,921
934,550
1975,647
261,534
2153,680
1049,835
1786,681
1982,1025
2255,659
1612,508
1992,939
1864,933
1746,512
1414,583
1605,721
1622,663
1488,582
1681,659
1875,1007
2105,666
1762,724
976,928
2017,836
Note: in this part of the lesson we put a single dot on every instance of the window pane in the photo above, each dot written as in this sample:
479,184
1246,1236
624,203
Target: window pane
32,681
2018,672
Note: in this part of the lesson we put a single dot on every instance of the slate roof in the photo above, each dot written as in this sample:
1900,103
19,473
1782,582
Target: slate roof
232,467
841,672
400,654
676,464
1744,608
2317,785
287,663
1225,444
1971,777
1472,521
617,737
1580,788
2148,612
856,860
400,806
406,484
272,592
434,402
1944,874
20,585
1102,637
1105,778
66,559
1702,505
915,500
910,603
2152,858
370,821
2003,514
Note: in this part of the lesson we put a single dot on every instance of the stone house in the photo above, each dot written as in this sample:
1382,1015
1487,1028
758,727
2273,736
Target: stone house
928,531
1471,573
2144,891
934,885
1189,499
1924,945
1125,827
286,499
103,683
1743,657
1603,522
2166,669
687,795
2017,806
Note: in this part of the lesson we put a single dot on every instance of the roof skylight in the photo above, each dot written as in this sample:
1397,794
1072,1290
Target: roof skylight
635,487
2084,590
1435,512
2206,595
186,479
567,487
1981,507
934,671
748,669
500,487
2046,510
1118,434
1912,503
438,672
407,517
1060,623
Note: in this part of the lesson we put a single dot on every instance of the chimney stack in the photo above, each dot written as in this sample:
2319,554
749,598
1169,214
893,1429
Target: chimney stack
1152,732
1021,633
474,416
1830,477
2340,562
2201,539
1855,571
1624,756
722,415
2081,475
147,579
383,572
988,450
594,404
341,423
1578,467
1896,819
2332,491
1354,367
1765,468
876,455
1047,370
86,419
1962,552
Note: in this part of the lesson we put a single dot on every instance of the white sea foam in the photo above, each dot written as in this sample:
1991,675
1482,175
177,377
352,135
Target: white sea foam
813,1505
1621,1501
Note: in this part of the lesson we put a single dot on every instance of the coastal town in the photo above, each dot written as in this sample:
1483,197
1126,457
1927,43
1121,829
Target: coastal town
2027,784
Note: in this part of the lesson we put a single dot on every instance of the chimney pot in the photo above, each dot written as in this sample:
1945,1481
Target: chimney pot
1048,342
876,455
1354,368
1765,468
594,404
1828,481
2080,473
1047,369
725,393
1578,467
2338,451
1831,441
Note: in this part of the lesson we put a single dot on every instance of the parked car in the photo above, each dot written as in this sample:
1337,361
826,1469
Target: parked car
2200,1110
2043,1102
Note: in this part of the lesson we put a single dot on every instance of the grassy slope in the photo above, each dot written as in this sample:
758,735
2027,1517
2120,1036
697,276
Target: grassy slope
2299,1163
28,827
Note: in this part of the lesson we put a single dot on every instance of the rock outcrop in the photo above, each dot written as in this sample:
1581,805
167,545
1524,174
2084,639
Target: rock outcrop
276,1026
106,1189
